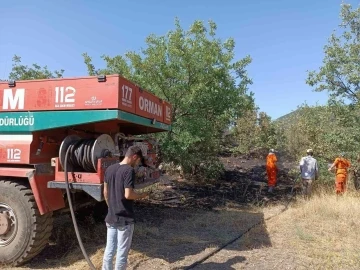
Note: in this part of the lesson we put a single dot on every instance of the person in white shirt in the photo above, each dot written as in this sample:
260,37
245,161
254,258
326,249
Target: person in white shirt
309,172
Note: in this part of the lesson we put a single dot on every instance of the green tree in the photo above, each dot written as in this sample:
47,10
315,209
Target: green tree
246,131
340,73
267,132
340,76
255,130
23,72
197,73
329,130
304,129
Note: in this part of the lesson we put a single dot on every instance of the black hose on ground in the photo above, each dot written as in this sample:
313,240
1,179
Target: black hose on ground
207,256
68,151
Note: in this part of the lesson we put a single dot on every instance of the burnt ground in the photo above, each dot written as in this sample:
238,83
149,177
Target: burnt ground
181,221
244,182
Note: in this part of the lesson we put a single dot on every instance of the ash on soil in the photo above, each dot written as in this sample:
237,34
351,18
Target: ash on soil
244,182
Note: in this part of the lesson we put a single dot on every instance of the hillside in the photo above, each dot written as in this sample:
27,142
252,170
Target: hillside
286,117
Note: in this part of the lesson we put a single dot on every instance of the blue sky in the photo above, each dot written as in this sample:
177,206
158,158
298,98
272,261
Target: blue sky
285,38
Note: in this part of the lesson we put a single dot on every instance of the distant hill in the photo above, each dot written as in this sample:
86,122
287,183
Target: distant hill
287,116
285,120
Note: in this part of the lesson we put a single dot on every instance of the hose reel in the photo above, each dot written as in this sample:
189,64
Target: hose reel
84,153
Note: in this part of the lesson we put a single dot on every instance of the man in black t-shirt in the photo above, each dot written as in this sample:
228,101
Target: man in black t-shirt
119,195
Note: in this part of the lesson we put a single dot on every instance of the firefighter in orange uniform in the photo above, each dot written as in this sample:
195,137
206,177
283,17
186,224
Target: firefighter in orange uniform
341,164
271,169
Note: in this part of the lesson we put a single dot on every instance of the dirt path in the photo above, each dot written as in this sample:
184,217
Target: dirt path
182,222
166,238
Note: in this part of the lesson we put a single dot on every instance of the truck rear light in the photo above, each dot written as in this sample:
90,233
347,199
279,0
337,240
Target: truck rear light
101,78
12,83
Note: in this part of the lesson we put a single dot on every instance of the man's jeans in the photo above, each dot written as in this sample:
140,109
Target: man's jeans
307,187
119,241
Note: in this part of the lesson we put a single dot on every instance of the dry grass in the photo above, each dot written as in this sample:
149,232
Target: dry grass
325,229
164,238
320,233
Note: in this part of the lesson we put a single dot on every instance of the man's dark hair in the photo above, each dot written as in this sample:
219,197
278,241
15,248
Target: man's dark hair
134,150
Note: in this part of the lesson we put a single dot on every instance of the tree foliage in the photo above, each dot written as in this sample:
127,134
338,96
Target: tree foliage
305,129
197,73
329,130
340,73
255,130
334,128
24,72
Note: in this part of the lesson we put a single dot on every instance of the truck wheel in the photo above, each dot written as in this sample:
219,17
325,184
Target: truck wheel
23,231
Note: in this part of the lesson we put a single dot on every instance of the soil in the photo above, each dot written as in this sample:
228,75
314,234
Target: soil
182,220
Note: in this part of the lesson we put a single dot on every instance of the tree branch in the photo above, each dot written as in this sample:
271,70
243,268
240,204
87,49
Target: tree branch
347,89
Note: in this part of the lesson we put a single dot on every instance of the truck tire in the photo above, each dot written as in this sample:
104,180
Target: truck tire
23,231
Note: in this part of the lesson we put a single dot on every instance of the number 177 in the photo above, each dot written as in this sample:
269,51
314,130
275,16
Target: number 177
126,92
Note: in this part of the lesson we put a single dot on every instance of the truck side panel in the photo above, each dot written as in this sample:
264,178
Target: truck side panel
59,94
15,148
148,105
70,94
167,112
46,199
16,172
